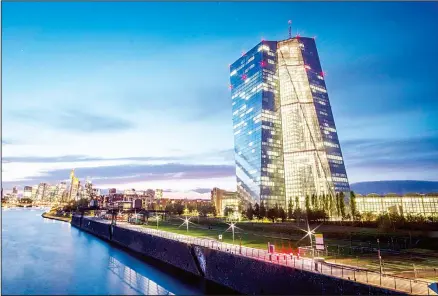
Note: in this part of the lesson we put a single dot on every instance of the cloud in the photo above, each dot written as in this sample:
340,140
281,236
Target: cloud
202,190
407,157
227,155
121,174
74,120
383,82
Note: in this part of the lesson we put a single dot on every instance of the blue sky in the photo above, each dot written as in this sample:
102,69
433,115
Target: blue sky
136,94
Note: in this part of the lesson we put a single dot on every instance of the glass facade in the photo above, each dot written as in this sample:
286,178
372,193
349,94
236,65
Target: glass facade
286,145
257,126
425,205
313,160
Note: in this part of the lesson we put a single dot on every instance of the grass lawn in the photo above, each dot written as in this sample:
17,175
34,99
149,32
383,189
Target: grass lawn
247,239
393,264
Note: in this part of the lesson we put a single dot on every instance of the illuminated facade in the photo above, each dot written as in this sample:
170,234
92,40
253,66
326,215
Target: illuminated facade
257,126
27,192
409,204
312,154
286,144
222,199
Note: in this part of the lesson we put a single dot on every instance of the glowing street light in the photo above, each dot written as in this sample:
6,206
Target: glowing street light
186,222
232,227
157,218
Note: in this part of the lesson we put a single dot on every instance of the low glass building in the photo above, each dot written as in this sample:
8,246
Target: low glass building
408,204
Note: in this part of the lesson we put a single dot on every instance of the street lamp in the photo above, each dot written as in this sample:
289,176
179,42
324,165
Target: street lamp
186,222
232,226
157,218
380,256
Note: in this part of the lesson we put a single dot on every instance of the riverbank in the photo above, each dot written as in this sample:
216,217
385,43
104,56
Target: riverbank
243,269
53,217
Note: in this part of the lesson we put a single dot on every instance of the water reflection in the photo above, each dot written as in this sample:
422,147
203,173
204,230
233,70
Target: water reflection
49,257
135,280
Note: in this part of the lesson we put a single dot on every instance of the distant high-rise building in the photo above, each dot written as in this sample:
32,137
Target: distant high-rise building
42,191
112,191
158,193
286,144
27,192
34,192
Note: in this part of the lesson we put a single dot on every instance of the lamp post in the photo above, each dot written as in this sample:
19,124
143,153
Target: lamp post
380,257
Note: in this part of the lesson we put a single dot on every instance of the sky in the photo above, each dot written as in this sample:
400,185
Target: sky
135,94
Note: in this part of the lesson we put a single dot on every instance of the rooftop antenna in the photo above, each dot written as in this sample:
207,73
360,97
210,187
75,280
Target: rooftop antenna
290,28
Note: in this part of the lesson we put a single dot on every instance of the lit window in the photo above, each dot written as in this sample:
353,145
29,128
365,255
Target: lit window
271,61
263,47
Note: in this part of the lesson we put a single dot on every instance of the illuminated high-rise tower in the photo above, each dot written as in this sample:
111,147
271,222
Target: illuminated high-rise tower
286,144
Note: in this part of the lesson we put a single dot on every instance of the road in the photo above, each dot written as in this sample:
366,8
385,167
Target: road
305,263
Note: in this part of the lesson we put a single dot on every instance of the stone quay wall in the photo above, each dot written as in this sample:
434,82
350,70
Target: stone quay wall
242,274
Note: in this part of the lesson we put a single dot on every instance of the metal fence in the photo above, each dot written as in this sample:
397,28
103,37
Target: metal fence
377,279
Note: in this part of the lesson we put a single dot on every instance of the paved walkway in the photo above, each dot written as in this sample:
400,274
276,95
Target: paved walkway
368,277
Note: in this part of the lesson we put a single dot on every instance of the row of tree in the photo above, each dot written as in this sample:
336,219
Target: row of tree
316,208
179,209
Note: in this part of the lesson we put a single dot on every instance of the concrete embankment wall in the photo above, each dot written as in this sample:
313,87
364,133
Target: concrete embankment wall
242,274
172,252
250,276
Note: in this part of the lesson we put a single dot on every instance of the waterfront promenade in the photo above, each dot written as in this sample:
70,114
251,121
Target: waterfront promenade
398,284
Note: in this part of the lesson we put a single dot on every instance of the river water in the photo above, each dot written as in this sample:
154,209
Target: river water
42,256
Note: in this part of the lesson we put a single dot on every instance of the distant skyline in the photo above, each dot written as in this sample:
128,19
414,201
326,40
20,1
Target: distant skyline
135,94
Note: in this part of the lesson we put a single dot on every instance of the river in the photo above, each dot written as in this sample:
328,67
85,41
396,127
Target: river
42,256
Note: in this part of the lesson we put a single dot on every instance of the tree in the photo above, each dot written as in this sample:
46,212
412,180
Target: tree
82,203
332,207
323,202
179,208
262,210
249,212
342,204
290,209
282,214
313,201
228,211
338,206
307,203
272,214
170,208
257,210
204,210
297,215
25,200
297,203
353,205
191,208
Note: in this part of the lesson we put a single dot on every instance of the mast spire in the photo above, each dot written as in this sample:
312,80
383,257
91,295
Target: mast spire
290,28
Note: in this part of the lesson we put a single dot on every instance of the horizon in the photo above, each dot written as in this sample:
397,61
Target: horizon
145,103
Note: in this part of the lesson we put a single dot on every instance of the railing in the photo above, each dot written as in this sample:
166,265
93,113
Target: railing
410,286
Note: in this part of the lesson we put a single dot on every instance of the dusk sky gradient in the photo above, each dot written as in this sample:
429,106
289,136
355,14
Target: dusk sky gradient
135,94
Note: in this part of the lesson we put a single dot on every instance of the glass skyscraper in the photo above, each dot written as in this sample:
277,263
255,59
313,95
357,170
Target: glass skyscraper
286,145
